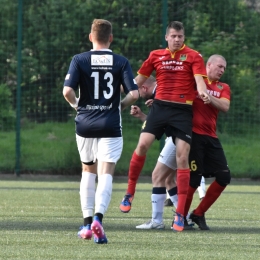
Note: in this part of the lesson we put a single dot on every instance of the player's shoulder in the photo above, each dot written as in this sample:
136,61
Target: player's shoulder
82,55
191,51
119,57
159,52
223,85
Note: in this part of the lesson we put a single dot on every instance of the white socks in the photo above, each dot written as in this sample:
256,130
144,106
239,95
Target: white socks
157,207
202,188
103,193
174,200
87,193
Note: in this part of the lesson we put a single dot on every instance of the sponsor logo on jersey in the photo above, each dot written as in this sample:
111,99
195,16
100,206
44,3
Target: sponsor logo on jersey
183,57
171,62
161,57
220,87
213,93
98,107
105,59
67,77
172,65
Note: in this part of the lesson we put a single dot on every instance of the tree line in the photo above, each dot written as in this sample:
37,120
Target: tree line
55,30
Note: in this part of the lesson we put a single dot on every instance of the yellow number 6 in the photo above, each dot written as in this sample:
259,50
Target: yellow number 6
193,166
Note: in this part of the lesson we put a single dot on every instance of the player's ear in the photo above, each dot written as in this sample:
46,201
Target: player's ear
90,37
111,38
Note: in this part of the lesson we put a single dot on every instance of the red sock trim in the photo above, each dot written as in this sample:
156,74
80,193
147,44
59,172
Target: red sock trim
211,196
183,179
135,168
189,199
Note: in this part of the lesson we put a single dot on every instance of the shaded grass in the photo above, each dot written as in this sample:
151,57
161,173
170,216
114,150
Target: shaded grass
39,218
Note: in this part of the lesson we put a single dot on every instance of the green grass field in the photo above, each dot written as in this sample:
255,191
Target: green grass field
40,216
51,148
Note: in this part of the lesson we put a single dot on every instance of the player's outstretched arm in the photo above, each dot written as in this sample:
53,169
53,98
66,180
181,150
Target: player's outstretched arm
135,111
140,79
222,104
129,99
70,95
202,89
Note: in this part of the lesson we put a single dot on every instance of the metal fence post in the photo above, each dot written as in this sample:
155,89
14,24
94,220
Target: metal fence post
18,92
164,22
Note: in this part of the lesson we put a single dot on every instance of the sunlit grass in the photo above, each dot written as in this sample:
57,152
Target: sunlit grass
40,216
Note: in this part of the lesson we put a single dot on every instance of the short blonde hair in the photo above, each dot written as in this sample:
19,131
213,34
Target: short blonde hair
213,57
101,30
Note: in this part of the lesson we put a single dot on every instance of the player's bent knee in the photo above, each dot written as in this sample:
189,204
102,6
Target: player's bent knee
142,149
223,178
195,179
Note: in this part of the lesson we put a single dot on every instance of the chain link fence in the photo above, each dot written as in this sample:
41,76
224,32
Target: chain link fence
39,38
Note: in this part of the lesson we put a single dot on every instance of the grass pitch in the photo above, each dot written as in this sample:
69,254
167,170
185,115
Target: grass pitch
40,216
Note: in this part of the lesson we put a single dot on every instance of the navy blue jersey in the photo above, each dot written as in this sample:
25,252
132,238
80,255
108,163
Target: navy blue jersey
99,74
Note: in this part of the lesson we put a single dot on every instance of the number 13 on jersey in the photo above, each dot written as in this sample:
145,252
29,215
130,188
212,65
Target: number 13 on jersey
108,80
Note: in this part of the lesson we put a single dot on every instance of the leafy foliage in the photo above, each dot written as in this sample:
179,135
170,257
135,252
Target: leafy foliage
54,30
7,114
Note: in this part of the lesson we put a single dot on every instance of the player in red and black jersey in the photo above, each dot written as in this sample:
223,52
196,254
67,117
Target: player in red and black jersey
179,70
207,157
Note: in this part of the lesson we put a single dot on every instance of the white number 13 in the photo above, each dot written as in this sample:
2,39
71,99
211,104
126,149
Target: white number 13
109,76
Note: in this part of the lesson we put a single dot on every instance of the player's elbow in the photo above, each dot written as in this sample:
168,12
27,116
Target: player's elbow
225,108
66,91
135,95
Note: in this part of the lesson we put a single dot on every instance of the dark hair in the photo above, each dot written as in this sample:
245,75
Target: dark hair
101,30
178,26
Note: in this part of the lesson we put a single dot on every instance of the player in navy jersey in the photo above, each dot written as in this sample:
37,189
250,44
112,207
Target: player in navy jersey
98,74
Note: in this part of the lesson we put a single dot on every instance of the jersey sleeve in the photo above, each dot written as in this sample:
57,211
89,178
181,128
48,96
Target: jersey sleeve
72,77
147,66
198,65
128,81
225,93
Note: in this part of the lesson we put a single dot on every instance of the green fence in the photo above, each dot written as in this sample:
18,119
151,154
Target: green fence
38,39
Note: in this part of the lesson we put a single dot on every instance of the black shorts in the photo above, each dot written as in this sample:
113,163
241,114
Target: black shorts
206,156
175,117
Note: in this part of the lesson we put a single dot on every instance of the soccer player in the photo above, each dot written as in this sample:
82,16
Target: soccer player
179,70
98,73
207,157
166,164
